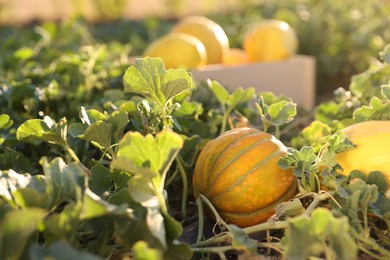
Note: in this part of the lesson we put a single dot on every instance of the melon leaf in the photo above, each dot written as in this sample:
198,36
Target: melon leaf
321,234
149,78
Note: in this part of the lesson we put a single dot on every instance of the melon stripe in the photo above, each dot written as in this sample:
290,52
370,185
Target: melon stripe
239,154
251,171
289,193
211,150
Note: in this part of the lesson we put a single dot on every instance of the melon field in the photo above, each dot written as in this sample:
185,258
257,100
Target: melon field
108,153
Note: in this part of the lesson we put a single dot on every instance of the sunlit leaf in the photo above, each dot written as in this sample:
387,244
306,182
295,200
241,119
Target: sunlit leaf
282,112
377,110
16,228
38,130
240,96
320,235
24,53
148,77
314,134
385,89
5,121
220,93
63,180
150,152
142,251
99,132
94,206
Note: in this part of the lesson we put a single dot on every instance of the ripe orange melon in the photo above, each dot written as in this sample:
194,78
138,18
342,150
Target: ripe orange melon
210,33
372,151
270,40
235,56
238,173
178,50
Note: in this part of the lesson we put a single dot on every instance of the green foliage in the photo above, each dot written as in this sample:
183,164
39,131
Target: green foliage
275,111
148,77
91,167
228,101
321,234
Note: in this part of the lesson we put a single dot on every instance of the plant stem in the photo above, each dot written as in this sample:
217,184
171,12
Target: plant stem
269,245
224,120
317,198
371,243
164,118
248,230
265,125
201,219
219,219
277,131
77,160
162,203
215,249
185,186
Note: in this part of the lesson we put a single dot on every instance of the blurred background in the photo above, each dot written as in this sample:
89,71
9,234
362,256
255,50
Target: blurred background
343,36
22,11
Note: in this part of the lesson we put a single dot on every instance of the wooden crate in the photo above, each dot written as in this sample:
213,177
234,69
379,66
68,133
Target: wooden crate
294,78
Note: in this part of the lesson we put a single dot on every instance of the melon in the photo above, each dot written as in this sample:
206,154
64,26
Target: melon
238,173
372,148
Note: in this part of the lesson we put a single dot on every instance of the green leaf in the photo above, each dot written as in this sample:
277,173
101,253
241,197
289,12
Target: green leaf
91,116
239,96
101,129
94,206
63,181
100,180
377,110
357,201
301,161
149,78
149,158
338,142
23,190
191,149
60,250
173,228
220,93
59,183
154,153
42,130
142,191
17,226
314,135
119,121
289,209
64,224
386,54
189,109
320,235
5,121
12,159
378,179
24,53
142,251
241,240
282,112
385,90
77,129
99,132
